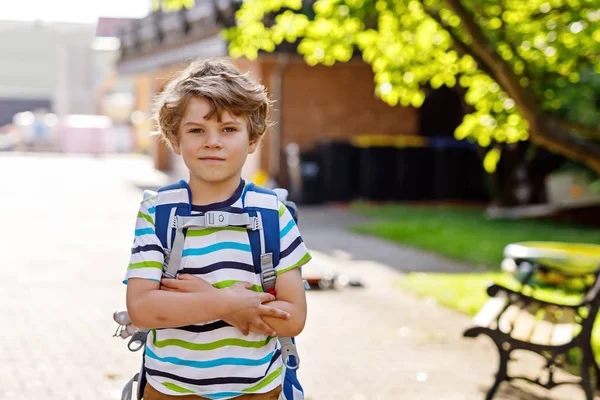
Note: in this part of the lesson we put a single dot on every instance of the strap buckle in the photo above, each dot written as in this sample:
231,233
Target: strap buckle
268,274
216,219
254,224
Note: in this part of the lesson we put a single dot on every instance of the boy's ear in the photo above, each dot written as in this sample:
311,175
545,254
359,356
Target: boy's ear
176,148
253,146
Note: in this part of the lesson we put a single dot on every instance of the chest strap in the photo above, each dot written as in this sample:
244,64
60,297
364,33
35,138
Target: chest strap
210,219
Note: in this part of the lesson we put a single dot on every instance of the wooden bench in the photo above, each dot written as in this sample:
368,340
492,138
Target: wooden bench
515,320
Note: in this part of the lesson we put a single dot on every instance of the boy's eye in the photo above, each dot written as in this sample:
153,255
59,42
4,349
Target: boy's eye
229,129
196,130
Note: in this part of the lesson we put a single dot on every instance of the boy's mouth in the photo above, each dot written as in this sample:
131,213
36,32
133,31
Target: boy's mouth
212,159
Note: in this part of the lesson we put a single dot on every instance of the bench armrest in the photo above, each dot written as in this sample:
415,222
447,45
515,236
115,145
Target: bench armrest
514,296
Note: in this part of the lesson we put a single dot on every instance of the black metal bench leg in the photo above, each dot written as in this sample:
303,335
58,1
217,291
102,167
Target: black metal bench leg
586,384
597,373
501,375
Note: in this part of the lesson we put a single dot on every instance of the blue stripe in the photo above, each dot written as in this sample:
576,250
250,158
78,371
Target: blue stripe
222,395
152,210
216,247
145,231
150,279
219,362
287,228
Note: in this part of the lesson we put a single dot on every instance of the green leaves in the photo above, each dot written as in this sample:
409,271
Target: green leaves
551,46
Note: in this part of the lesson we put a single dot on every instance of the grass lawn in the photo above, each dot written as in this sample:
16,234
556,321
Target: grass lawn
465,235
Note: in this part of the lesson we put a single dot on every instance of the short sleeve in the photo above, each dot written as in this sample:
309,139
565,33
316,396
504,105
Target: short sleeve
294,253
147,254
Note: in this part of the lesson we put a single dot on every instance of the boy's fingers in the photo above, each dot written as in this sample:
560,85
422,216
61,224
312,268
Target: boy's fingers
275,312
266,297
186,277
264,328
169,282
245,329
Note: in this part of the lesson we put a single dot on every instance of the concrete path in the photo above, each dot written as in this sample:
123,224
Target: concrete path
67,224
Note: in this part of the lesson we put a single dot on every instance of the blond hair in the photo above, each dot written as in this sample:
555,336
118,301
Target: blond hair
223,86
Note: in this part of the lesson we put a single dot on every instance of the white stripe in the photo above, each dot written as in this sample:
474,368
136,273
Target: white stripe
224,255
151,255
293,258
289,238
148,194
146,239
261,200
232,387
210,337
230,275
172,197
144,273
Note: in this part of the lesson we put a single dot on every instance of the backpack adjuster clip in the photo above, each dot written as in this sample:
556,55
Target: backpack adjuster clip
215,219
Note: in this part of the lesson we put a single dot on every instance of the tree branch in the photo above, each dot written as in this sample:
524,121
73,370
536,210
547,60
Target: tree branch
460,45
584,131
486,51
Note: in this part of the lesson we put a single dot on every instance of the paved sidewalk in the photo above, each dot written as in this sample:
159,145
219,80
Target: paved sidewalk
67,225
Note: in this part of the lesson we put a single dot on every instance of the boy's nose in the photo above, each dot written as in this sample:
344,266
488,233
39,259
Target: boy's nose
212,140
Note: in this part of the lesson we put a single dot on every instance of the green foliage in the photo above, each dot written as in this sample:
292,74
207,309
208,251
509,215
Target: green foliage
463,234
552,46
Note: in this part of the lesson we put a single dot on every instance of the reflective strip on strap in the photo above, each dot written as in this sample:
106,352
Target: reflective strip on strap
174,196
261,200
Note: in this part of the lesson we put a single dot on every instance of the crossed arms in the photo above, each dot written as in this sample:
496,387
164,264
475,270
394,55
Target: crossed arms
189,300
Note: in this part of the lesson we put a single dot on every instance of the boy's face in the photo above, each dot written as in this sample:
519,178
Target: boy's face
213,151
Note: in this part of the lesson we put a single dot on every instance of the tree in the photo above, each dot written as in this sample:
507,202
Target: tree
529,69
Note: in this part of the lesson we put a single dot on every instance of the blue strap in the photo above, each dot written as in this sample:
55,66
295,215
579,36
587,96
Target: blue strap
270,220
163,212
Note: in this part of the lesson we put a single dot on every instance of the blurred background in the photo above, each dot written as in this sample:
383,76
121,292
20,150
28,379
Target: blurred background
419,138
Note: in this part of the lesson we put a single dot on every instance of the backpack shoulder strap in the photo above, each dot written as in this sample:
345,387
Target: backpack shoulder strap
173,199
264,243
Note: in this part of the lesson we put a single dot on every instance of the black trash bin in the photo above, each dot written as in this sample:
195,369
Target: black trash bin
453,169
339,170
414,168
377,173
311,173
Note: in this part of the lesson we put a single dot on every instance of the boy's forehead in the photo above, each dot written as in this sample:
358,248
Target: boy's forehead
198,109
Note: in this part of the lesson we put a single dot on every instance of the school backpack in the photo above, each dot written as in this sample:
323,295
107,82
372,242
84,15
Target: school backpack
173,215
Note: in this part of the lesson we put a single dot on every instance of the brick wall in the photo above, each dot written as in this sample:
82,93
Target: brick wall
337,103
321,103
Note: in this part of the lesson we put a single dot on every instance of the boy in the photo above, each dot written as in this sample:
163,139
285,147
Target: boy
210,336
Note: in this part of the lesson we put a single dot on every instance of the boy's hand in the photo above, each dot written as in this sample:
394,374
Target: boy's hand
245,307
185,283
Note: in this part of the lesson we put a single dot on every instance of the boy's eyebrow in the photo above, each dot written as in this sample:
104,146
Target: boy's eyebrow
231,122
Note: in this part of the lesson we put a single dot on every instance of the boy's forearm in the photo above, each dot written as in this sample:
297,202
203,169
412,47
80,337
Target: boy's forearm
290,327
165,309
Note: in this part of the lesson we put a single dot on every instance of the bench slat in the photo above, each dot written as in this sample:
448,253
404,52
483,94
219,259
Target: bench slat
564,329
542,332
507,319
490,311
525,322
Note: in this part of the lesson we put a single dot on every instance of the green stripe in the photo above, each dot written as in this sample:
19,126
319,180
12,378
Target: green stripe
307,257
208,231
146,264
270,378
226,284
177,388
145,216
150,199
210,346
281,210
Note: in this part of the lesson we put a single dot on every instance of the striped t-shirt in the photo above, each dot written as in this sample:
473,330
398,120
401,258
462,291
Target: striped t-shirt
214,359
